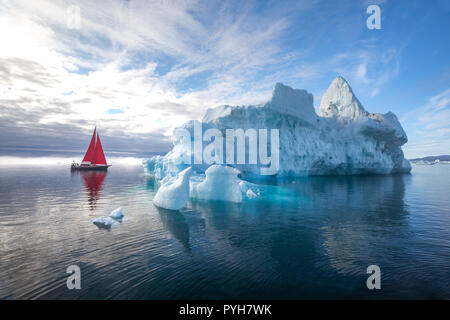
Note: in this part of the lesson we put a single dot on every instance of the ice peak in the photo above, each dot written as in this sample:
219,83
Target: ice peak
296,102
340,80
340,101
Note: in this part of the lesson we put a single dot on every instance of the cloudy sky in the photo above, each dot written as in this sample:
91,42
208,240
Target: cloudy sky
136,69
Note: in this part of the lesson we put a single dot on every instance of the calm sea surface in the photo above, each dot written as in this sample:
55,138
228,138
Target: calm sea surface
305,238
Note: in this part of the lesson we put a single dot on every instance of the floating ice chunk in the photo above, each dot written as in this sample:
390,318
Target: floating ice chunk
221,183
251,194
174,192
117,214
114,218
244,186
246,189
104,222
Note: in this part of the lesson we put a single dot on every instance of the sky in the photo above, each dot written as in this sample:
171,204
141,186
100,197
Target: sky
137,69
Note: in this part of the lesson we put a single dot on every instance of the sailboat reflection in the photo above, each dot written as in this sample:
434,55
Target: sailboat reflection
93,182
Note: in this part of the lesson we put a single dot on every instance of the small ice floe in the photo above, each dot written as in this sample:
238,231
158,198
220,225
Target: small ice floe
104,222
174,192
117,214
115,217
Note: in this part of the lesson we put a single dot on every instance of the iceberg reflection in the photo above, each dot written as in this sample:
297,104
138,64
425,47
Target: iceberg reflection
174,222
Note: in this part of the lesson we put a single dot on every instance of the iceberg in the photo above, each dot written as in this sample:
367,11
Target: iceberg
343,139
174,191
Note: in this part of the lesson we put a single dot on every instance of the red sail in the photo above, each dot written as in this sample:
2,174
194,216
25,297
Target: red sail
90,151
99,156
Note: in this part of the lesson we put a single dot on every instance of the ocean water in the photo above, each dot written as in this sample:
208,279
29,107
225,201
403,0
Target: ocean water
302,239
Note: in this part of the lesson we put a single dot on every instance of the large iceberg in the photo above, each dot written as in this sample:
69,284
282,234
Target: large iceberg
344,139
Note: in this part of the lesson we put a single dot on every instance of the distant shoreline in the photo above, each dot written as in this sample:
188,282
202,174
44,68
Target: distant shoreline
431,159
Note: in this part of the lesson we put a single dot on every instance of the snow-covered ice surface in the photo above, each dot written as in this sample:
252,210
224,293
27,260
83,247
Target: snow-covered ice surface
174,191
344,139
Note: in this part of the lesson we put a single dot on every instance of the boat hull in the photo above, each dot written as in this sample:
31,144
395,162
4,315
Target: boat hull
90,168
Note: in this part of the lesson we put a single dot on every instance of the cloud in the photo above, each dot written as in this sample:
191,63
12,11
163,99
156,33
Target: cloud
137,69
430,127
55,76
371,67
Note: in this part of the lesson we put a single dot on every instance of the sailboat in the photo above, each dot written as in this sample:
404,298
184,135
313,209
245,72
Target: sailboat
94,159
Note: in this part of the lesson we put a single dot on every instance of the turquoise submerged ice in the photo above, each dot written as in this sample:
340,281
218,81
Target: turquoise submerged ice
343,139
